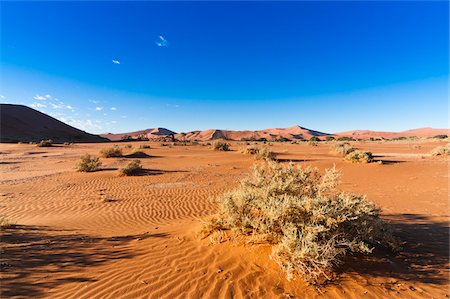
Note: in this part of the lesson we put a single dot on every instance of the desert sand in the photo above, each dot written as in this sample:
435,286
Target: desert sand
100,235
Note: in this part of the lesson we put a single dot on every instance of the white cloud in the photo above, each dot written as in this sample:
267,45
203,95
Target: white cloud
86,125
161,42
48,96
2,96
113,108
94,102
40,98
98,108
38,105
115,61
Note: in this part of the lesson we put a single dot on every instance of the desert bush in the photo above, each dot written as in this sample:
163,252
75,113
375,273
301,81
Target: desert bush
265,154
220,146
88,163
5,222
45,143
250,150
313,143
342,148
132,168
440,151
330,138
144,146
440,136
344,138
358,156
311,225
111,152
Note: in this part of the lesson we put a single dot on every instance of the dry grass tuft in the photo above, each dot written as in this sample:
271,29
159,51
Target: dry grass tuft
358,156
260,153
111,152
45,143
6,222
311,225
342,148
220,146
88,163
132,168
440,151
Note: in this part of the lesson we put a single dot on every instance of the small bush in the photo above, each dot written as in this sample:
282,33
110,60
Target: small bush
220,146
311,225
344,138
265,154
330,138
440,151
313,143
6,222
88,163
144,146
440,136
314,138
45,143
111,152
250,150
358,156
342,148
132,168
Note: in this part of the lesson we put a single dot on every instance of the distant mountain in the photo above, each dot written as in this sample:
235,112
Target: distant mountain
154,133
421,132
295,132
22,123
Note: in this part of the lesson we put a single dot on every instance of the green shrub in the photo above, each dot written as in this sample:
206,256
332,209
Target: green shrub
220,146
314,138
358,156
45,143
344,138
440,151
132,168
311,225
88,163
342,148
329,138
111,152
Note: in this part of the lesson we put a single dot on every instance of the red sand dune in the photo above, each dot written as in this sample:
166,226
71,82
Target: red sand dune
421,132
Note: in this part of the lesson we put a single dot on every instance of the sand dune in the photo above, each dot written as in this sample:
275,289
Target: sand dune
422,132
21,123
99,235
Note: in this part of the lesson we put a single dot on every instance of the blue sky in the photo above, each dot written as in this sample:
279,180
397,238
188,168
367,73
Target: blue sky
329,66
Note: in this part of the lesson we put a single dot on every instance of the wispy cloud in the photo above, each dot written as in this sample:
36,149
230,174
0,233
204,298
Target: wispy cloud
42,98
86,125
94,101
113,108
161,41
98,108
115,61
2,96
38,105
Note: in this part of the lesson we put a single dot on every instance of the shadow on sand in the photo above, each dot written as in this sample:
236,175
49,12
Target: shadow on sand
424,256
34,258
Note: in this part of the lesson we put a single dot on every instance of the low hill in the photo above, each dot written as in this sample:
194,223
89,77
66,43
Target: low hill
421,132
22,123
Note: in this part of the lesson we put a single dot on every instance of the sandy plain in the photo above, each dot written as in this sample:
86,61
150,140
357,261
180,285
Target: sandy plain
100,235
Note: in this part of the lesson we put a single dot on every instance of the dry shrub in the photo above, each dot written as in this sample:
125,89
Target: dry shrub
313,143
143,146
342,148
132,168
88,163
358,156
6,222
111,152
220,146
311,225
440,151
250,150
265,154
45,143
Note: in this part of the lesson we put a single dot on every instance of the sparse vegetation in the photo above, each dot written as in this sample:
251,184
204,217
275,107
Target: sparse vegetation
329,138
314,138
343,148
440,151
132,168
6,222
265,154
220,146
358,156
88,163
45,143
440,136
311,225
111,152
313,143
345,138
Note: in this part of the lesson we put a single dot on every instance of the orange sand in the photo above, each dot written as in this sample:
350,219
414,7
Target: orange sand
72,243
